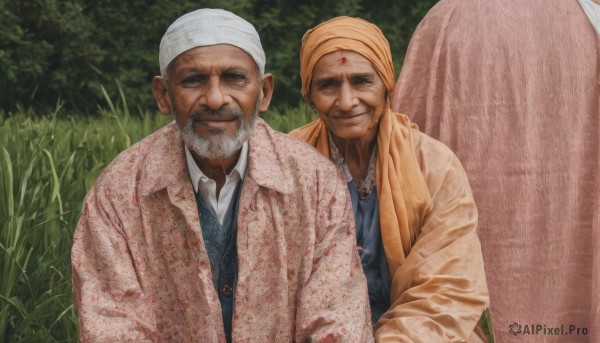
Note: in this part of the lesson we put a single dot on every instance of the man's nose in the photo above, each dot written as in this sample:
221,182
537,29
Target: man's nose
215,95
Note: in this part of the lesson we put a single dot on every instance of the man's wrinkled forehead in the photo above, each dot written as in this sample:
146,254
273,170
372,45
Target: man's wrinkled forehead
206,27
214,58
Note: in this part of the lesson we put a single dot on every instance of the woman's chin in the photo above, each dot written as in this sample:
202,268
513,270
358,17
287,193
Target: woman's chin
349,133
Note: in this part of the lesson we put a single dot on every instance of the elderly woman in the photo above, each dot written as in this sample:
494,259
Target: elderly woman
414,212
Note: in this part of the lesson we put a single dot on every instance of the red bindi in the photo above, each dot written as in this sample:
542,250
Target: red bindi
343,60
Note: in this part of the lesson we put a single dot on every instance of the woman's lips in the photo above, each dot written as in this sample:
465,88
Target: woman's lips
348,116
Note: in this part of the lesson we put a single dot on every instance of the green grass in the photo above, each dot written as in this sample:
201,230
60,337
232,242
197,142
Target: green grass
47,165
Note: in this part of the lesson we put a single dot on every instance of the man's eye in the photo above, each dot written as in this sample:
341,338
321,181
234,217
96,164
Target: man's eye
234,77
192,80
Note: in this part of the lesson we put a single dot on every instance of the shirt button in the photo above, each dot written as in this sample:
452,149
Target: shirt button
363,193
359,248
227,290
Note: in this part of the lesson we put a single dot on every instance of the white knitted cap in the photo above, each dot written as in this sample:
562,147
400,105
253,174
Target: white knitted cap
208,26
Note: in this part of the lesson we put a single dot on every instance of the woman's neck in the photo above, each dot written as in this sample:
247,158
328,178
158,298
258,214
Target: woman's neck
356,153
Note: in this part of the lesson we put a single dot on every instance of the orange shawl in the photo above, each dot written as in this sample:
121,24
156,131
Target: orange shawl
402,193
403,197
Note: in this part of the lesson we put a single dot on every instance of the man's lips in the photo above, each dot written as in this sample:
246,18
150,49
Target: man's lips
210,118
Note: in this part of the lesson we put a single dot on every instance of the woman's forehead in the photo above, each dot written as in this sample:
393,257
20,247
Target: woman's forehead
343,61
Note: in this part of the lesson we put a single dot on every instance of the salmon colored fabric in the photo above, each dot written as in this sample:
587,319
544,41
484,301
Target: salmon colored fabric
346,33
140,268
513,88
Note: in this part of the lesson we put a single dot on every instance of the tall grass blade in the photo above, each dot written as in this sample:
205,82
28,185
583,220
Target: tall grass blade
122,130
123,98
108,101
55,183
60,316
16,303
24,182
8,184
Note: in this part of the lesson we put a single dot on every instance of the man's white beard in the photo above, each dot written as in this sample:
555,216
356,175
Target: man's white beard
219,145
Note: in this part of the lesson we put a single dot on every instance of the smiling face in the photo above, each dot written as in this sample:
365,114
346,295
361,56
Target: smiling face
215,93
348,94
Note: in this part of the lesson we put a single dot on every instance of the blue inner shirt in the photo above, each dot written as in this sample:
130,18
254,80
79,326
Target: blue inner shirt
220,243
372,256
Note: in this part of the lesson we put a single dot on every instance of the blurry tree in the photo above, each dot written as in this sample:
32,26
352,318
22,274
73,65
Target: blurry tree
67,49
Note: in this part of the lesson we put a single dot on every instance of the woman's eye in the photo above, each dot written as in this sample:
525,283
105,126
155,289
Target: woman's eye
325,84
361,81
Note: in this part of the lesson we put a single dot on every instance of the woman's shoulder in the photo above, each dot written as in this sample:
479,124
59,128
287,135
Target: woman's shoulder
304,132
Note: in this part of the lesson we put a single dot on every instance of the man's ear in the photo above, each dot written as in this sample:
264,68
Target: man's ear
267,91
159,89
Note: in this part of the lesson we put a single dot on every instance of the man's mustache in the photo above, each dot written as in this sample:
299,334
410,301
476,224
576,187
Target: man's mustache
224,112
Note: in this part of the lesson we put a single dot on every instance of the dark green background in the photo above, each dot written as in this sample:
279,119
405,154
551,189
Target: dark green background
53,49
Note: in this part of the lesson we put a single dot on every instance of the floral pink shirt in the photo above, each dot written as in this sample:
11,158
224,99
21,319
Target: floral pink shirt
140,268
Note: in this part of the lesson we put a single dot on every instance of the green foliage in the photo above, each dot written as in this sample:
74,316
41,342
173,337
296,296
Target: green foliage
281,25
68,49
44,52
47,166
485,323
289,118
397,20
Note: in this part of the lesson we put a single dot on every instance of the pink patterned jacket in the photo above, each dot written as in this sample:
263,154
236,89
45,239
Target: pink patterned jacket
140,268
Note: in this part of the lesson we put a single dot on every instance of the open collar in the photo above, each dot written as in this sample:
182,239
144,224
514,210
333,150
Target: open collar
268,160
196,173
166,166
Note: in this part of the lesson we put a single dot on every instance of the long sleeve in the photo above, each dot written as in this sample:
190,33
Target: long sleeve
333,305
107,294
440,291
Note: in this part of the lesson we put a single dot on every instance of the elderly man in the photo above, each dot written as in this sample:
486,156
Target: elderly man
216,228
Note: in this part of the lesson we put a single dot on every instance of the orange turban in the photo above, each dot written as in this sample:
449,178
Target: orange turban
346,33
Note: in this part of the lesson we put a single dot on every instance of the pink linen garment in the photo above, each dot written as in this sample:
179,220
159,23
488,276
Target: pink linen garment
513,88
140,268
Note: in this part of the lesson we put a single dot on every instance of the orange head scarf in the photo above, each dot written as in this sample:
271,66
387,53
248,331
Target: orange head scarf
402,193
345,33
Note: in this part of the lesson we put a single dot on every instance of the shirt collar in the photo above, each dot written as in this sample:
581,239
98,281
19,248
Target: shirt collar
196,173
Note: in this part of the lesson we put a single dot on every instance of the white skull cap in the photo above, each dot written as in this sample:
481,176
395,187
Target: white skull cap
206,27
